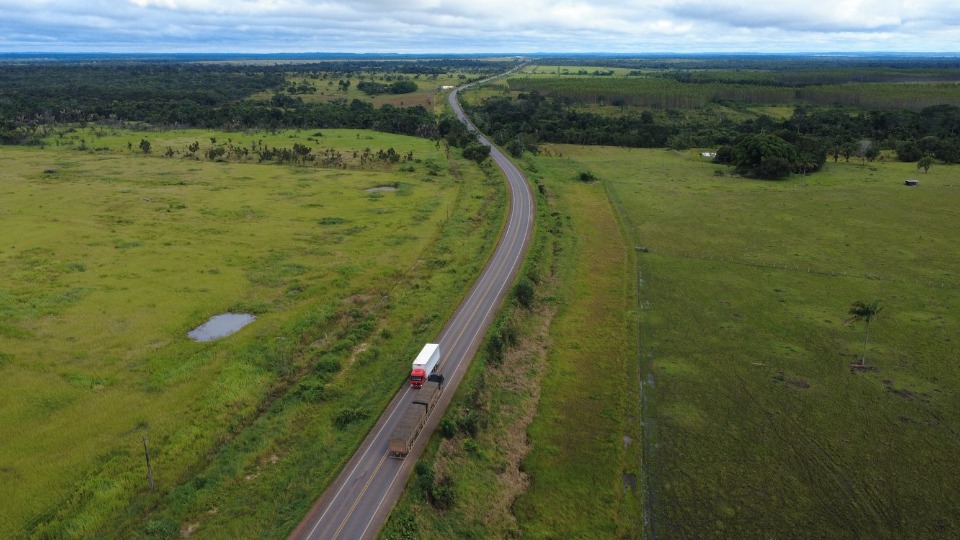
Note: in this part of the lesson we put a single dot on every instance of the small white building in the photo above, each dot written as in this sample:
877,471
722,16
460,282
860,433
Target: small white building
708,155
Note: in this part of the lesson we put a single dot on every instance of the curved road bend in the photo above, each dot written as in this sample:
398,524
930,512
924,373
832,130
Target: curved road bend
357,503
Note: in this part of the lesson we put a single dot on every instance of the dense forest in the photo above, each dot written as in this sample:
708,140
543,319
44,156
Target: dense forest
842,107
208,95
812,134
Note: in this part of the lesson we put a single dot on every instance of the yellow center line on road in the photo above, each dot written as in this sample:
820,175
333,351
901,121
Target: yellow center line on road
501,261
487,287
360,496
471,314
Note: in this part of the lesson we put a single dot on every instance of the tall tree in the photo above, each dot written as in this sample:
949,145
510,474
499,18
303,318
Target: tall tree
863,311
764,156
925,163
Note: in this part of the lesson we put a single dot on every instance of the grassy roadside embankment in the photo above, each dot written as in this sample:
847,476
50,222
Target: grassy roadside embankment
113,255
584,462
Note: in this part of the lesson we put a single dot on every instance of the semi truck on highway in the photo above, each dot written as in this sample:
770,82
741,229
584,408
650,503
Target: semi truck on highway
413,420
424,364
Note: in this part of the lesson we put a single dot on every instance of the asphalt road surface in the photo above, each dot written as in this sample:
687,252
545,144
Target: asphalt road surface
357,503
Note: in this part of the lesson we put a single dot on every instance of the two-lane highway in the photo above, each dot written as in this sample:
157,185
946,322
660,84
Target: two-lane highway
357,503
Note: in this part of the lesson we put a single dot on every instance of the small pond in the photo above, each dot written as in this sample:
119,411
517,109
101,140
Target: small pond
380,188
220,326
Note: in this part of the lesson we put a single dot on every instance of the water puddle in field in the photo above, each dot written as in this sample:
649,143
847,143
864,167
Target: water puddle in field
220,326
380,188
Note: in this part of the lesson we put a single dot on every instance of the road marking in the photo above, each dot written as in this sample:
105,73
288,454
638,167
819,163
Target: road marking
362,491
363,457
517,231
464,327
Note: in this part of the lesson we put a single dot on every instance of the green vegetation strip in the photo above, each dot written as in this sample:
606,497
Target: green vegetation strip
584,463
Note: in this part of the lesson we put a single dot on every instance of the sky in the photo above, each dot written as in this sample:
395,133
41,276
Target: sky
479,26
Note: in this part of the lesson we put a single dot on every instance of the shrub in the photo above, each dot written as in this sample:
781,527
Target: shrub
310,392
587,176
443,496
524,293
402,526
348,416
161,528
448,429
495,347
425,477
469,423
476,151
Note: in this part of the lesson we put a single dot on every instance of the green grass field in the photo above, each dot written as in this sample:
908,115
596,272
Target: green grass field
584,460
109,256
428,93
757,421
550,71
759,427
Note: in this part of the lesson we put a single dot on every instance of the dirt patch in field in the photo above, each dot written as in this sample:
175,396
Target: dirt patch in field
358,299
356,352
629,482
857,368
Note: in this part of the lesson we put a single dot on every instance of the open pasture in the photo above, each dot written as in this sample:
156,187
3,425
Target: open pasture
331,87
109,256
761,423
546,71
693,93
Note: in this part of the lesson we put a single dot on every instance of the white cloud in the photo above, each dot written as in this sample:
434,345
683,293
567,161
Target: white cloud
475,26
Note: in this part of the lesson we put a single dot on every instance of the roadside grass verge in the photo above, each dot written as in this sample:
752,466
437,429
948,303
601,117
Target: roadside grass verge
113,255
760,425
584,463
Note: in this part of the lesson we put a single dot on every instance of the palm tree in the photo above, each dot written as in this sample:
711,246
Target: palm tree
862,311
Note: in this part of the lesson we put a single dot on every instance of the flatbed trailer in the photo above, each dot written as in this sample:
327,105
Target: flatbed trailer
412,421
428,395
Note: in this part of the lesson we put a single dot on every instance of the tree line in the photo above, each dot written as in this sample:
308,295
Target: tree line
763,146
203,95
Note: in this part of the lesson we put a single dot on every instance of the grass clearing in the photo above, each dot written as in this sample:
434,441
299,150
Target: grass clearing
758,424
110,256
329,88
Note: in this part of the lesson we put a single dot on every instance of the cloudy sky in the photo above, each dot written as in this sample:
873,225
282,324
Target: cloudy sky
461,26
